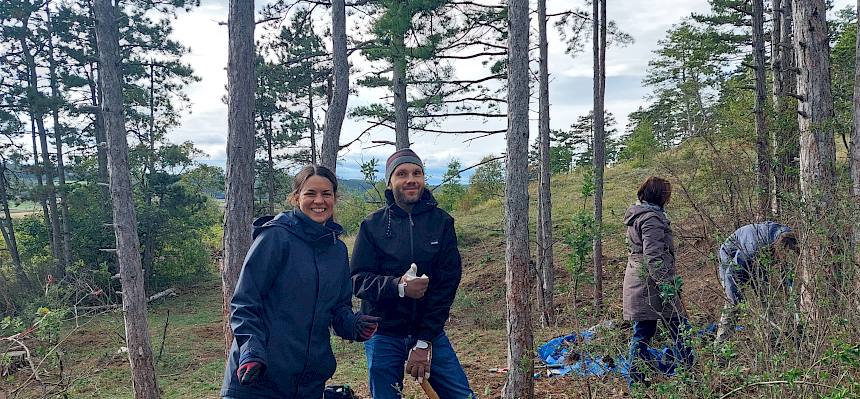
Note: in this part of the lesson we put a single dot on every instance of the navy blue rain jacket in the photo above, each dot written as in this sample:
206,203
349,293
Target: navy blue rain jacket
294,284
388,242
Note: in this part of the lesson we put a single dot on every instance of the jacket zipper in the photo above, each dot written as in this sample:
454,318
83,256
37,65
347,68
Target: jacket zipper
412,255
313,323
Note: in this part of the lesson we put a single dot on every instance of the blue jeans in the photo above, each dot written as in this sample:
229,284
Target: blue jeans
644,331
386,359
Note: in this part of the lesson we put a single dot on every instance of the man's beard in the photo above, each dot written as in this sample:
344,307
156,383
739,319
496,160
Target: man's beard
401,197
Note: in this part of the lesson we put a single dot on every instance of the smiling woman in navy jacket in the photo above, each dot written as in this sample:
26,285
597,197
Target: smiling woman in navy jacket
294,284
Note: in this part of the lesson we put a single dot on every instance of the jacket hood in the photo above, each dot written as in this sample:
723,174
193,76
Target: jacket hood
300,225
637,210
424,204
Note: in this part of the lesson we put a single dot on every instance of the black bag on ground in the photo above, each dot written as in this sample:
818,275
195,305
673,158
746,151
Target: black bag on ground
338,392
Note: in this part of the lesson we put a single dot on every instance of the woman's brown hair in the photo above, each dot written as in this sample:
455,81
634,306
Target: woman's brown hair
655,190
305,174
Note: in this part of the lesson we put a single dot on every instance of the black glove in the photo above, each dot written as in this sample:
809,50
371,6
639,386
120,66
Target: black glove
365,326
249,372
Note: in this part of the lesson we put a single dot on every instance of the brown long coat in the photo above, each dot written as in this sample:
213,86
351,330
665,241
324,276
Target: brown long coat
650,263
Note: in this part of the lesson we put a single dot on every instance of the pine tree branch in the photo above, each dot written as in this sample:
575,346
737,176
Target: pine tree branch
486,161
481,114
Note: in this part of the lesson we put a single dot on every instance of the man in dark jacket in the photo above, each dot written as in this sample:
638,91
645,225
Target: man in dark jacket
410,230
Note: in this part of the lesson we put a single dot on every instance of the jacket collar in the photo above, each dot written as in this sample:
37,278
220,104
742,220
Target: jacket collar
303,227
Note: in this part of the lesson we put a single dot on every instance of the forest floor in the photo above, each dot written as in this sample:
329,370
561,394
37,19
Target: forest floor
191,365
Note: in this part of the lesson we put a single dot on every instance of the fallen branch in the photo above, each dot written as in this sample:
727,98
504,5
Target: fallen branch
163,337
741,388
162,294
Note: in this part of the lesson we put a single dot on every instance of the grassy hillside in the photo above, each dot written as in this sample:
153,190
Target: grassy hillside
191,365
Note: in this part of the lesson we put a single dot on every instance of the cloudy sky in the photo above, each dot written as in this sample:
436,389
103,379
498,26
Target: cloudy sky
205,123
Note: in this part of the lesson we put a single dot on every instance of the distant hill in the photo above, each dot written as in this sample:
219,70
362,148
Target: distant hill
357,186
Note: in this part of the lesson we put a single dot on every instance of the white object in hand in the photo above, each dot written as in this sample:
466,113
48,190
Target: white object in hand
412,273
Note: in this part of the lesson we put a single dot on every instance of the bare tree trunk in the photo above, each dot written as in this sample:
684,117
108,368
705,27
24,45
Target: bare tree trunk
312,122
599,144
519,325
239,210
270,165
546,273
763,175
99,133
47,169
401,105
776,67
786,136
854,160
58,142
340,93
9,232
817,147
144,382
39,183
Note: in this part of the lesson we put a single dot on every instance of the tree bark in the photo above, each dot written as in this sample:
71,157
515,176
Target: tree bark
239,209
312,122
144,381
599,145
340,93
9,232
37,170
817,147
854,160
786,136
763,175
270,165
546,278
398,82
519,326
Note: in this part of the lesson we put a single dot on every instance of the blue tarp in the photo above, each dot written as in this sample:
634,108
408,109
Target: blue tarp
564,355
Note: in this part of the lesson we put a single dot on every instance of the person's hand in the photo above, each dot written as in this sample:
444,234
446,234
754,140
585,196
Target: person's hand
249,372
365,326
415,287
418,363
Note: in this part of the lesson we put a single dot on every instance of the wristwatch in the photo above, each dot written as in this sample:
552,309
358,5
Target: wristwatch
422,344
401,288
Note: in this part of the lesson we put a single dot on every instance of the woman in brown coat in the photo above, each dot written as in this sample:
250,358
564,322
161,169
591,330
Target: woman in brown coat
652,290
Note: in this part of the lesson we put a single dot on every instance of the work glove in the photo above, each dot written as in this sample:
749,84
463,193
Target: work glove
250,372
365,327
414,286
418,363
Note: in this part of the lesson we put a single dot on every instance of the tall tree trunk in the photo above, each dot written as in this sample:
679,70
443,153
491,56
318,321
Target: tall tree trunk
817,147
37,170
599,144
146,183
239,209
38,112
312,124
763,175
99,135
776,68
58,142
401,106
546,278
9,231
854,160
125,224
340,93
519,325
786,136
270,166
